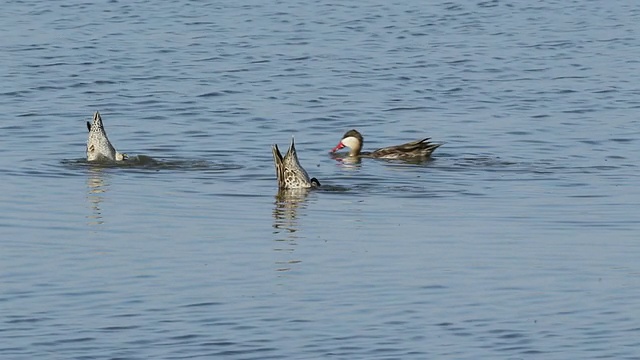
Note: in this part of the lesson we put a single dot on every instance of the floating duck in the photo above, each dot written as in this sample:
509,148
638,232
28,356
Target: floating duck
353,140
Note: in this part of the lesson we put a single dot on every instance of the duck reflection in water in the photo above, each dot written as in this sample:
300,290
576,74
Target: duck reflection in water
96,187
347,162
294,185
285,212
289,208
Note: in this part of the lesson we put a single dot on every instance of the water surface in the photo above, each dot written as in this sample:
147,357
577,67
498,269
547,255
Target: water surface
518,240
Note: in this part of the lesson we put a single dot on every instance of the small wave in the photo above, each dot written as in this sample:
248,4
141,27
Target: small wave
148,163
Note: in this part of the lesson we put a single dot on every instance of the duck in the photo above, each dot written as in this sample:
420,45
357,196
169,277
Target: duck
99,147
290,174
419,149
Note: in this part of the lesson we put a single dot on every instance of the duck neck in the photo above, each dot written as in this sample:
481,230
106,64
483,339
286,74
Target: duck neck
354,150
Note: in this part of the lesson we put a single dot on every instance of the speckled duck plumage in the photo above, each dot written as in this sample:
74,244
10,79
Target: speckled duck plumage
99,147
290,174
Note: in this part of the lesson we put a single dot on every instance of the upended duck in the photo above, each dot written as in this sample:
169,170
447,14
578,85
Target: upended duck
419,149
290,173
99,147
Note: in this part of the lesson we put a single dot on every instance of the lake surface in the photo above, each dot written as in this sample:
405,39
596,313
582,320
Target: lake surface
520,239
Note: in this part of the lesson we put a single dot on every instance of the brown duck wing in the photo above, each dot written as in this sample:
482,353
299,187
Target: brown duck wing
277,159
423,147
417,148
429,148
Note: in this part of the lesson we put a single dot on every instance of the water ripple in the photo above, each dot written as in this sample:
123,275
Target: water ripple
518,239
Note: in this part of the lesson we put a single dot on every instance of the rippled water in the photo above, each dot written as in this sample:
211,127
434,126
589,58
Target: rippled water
518,240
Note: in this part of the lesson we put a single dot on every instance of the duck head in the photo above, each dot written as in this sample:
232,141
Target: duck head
352,139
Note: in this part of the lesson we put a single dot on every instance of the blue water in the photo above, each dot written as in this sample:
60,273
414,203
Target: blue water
519,239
